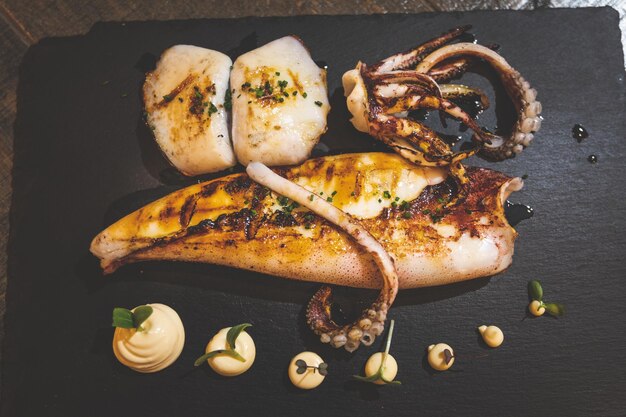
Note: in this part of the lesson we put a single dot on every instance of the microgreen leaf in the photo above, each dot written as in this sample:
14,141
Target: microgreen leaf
535,291
301,363
448,355
140,315
371,378
202,359
234,332
386,381
122,317
555,309
323,368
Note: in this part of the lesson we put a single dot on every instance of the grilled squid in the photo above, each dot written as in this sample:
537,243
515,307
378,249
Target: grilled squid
184,101
280,103
379,97
234,221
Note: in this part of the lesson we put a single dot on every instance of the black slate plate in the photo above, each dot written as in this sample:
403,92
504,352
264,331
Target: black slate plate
83,158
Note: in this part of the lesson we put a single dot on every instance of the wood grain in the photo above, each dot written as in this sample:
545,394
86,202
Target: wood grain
12,48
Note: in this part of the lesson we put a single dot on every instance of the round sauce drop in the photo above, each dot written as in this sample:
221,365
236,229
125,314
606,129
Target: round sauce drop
515,212
373,365
579,132
492,335
437,357
311,378
227,365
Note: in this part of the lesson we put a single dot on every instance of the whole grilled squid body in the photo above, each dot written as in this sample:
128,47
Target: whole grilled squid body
234,221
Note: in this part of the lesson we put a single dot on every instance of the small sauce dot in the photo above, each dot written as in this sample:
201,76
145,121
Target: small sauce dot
579,132
592,158
322,64
515,213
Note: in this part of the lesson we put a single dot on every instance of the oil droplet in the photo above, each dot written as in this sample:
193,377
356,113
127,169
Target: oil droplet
322,64
579,132
516,212
592,158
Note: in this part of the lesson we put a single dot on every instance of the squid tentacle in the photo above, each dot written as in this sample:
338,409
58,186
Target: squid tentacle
411,57
318,314
416,134
462,92
415,102
450,69
454,67
523,96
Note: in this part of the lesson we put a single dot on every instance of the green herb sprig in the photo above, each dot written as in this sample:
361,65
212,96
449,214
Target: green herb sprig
322,368
231,338
127,319
379,374
535,292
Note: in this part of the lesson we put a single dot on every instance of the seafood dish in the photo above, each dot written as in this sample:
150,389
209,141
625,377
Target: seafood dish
417,217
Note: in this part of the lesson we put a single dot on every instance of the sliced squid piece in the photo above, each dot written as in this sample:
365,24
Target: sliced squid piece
280,103
235,222
184,101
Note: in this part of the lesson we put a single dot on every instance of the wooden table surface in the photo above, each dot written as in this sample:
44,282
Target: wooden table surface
25,22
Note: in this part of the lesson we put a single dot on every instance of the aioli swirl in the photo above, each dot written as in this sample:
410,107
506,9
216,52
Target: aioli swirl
154,348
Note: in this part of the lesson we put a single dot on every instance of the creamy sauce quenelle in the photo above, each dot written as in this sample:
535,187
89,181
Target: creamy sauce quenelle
155,347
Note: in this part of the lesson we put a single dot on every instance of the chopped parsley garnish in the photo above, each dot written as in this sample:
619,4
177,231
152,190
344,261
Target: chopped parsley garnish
407,215
311,197
228,100
212,109
282,84
277,73
304,94
329,199
318,103
435,218
404,205
386,194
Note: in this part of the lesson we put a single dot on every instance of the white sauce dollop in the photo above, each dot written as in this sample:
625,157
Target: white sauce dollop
154,348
